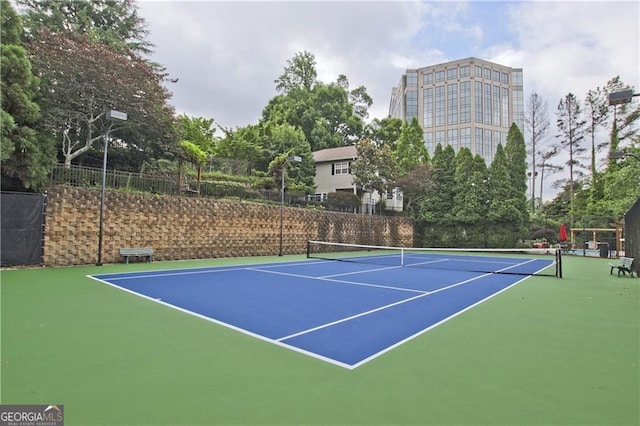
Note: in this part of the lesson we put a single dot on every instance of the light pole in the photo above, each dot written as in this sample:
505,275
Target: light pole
617,155
111,115
533,177
622,97
292,159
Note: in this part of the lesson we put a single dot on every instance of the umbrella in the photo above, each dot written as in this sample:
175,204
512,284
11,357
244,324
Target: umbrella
563,233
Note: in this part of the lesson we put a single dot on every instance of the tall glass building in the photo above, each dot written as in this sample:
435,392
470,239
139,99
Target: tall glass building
469,102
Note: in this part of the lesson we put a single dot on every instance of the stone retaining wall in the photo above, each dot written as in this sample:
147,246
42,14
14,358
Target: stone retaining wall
197,228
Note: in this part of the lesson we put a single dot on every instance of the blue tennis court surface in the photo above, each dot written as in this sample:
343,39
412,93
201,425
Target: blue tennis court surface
340,312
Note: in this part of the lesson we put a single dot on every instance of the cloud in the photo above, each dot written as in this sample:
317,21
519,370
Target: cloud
228,54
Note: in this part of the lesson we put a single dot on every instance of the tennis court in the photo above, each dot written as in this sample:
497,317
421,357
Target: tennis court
343,312
546,351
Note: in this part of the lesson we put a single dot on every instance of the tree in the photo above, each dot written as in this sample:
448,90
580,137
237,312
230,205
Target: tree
516,154
504,214
385,131
537,124
115,23
198,130
26,158
410,150
328,114
436,207
596,111
571,133
470,199
544,165
625,117
374,169
286,141
82,80
300,72
414,185
244,143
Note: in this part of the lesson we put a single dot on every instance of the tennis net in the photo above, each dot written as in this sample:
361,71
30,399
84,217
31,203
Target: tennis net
525,261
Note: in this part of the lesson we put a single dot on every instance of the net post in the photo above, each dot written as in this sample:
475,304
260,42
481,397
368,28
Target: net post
559,263
308,249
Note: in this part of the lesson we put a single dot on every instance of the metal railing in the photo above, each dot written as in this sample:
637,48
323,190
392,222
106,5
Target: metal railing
171,184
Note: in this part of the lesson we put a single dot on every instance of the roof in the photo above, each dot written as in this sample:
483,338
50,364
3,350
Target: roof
332,154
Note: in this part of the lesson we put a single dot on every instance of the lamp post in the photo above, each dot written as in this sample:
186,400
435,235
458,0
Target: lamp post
533,177
292,159
622,97
111,115
617,155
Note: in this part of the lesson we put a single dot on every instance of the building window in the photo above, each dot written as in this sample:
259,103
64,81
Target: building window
464,71
505,108
428,142
488,150
505,78
516,76
452,139
478,102
341,168
427,78
465,102
452,103
439,76
487,74
479,144
487,104
411,107
477,70
496,141
518,108
452,73
412,79
496,76
440,138
465,137
440,106
496,105
389,193
427,106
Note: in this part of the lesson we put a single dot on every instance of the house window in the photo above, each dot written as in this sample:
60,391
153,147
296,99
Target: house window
322,197
341,168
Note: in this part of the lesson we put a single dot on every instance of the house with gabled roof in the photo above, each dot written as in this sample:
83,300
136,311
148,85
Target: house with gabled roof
333,174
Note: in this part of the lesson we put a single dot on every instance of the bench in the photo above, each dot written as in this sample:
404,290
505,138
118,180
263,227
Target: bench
624,266
136,252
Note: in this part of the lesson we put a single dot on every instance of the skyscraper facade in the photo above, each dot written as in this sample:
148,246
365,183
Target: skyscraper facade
466,103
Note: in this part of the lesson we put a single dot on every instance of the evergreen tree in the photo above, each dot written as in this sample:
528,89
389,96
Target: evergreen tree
571,129
410,150
505,215
516,153
26,158
469,202
115,23
436,208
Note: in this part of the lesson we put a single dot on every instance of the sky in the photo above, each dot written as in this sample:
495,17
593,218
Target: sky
226,55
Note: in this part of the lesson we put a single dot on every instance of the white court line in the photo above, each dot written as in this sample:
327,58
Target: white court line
339,281
432,326
191,271
424,294
230,326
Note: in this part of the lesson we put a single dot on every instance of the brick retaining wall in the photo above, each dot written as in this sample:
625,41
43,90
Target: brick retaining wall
196,228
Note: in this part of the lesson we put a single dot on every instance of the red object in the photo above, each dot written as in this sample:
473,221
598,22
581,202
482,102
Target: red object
563,233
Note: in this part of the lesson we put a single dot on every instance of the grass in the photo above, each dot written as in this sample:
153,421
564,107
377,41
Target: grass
546,352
